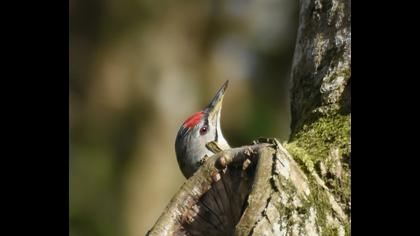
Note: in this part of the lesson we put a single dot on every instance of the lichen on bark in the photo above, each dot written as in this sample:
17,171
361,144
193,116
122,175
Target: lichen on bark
320,140
321,66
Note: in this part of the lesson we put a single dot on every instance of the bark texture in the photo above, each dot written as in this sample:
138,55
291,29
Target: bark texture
321,67
321,100
300,187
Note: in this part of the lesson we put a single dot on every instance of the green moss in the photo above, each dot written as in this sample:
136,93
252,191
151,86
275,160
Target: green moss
301,156
347,229
318,137
285,207
317,199
313,143
323,208
321,205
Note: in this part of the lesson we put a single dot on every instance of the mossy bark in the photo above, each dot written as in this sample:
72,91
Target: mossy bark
320,140
300,187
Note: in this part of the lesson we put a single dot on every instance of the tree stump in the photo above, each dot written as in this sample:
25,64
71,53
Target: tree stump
303,186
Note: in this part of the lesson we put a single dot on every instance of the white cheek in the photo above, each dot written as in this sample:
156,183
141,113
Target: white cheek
197,135
203,139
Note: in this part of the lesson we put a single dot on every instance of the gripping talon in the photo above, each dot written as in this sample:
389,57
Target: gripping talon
204,159
221,162
246,163
215,176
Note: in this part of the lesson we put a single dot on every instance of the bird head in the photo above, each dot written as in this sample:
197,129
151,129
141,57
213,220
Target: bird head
199,129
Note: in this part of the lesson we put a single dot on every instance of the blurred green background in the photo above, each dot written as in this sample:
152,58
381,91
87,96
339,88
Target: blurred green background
138,69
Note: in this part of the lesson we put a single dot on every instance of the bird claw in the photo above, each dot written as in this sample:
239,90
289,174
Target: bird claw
221,162
249,152
215,176
272,141
204,159
246,163
191,213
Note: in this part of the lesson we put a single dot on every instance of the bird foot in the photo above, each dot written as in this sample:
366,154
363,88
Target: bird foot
267,140
204,159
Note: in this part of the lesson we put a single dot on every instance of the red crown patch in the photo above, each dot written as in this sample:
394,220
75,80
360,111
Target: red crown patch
193,120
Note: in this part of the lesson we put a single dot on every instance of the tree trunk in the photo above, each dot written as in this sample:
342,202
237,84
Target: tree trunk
303,186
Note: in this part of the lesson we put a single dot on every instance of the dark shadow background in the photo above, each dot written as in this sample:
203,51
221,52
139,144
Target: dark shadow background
138,69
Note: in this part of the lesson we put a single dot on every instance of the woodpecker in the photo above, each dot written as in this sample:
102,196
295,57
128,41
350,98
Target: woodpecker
200,129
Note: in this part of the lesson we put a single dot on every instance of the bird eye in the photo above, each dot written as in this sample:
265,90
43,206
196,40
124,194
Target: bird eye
203,130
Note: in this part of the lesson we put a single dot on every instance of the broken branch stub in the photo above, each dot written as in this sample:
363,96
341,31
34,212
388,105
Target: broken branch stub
250,190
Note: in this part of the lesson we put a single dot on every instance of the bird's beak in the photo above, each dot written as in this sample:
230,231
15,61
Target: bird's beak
215,105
